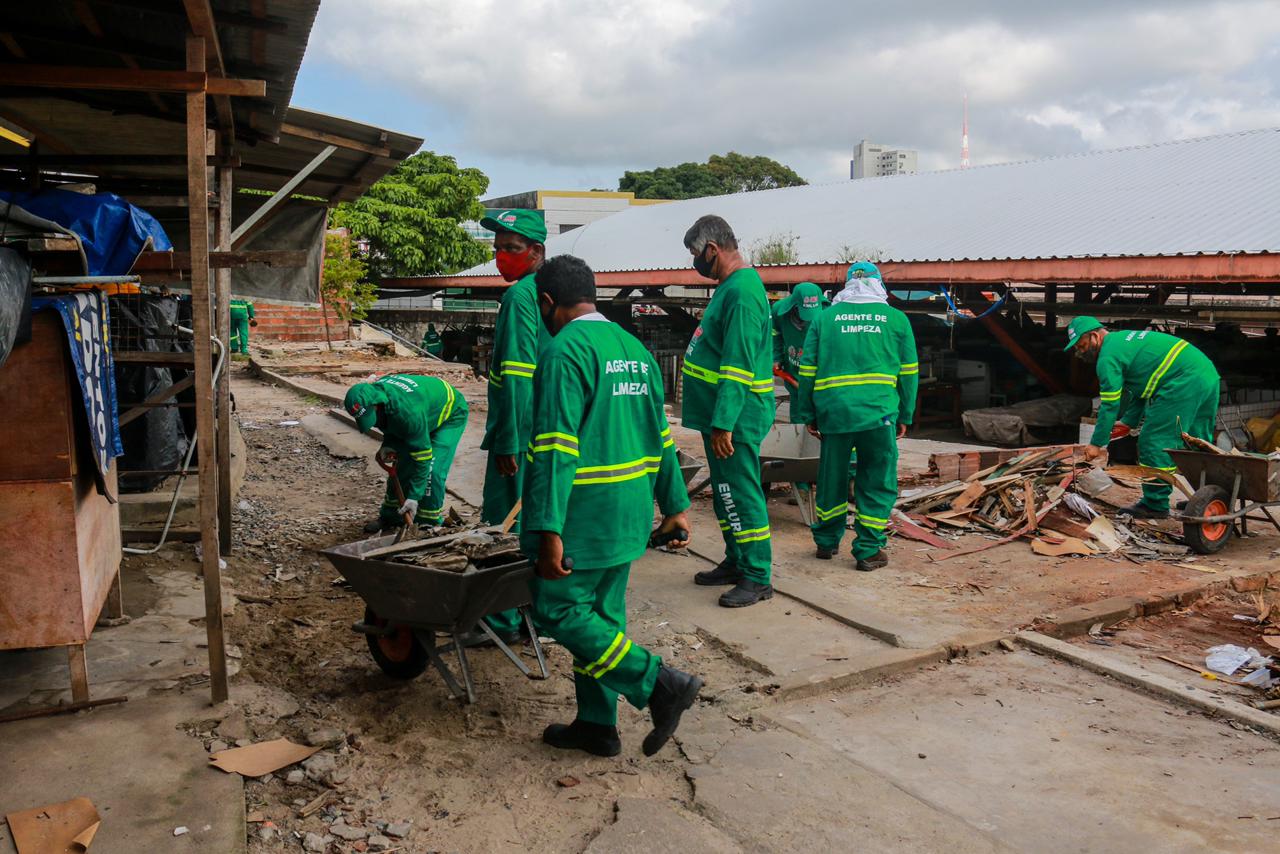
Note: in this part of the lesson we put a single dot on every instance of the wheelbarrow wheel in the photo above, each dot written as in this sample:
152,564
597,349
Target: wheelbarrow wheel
1206,538
399,654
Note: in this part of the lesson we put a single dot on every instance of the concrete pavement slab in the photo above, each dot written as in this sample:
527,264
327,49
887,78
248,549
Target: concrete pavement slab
660,827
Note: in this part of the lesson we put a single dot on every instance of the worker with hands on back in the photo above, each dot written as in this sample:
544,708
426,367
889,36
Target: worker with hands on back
1150,379
858,379
601,448
728,398
421,419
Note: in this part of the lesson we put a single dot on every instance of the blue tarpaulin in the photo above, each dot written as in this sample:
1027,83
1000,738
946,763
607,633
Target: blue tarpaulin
112,230
84,316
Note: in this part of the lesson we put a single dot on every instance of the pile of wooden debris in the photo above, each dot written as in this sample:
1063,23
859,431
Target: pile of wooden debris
1032,493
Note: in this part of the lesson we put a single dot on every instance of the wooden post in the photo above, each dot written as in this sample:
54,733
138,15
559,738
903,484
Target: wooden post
1051,314
113,607
222,315
198,214
79,673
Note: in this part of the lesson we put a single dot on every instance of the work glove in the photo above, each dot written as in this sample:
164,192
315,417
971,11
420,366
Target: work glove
386,457
409,506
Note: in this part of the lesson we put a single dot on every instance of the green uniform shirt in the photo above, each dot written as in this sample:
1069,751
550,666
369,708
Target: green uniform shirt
241,309
517,338
416,407
859,369
788,338
1135,366
728,368
601,446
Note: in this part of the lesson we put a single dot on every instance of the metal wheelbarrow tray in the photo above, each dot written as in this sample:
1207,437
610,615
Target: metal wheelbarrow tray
408,605
790,454
1228,488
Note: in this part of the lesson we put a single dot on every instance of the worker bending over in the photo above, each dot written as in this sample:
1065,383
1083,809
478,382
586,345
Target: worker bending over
728,398
858,379
518,336
421,419
1154,380
242,317
601,447
791,317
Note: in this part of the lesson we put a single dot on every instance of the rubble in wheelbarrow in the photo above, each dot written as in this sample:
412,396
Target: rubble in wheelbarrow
462,553
1025,494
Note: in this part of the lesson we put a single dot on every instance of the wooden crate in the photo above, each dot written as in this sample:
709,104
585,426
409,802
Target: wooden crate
59,539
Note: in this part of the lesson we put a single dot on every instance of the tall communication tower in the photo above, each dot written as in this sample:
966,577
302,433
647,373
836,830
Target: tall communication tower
964,135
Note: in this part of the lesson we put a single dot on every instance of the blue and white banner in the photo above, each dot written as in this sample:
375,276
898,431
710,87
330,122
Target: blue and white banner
84,315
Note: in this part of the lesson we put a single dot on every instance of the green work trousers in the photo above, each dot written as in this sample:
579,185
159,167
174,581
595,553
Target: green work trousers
738,498
586,612
1190,408
444,443
500,495
875,489
239,334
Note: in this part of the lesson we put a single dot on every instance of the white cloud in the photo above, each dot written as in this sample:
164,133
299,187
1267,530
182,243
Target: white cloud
598,86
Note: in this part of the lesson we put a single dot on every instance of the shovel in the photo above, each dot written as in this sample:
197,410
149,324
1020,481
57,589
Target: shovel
390,468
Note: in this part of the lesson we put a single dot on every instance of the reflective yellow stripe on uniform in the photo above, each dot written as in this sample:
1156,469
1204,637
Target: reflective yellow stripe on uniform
1109,396
421,455
751,535
665,435
854,379
617,472
808,370
700,373
738,375
762,386
448,405
517,369
909,368
562,442
873,521
1158,373
621,646
829,513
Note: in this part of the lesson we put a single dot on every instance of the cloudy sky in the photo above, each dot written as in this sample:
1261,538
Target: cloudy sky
567,94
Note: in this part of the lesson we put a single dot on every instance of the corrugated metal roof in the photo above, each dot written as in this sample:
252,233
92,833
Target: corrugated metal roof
1212,195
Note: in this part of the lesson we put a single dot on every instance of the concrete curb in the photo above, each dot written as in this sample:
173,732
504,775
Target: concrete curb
1153,683
280,379
868,668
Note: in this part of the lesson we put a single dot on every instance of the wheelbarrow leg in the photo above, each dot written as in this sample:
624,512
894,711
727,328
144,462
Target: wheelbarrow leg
533,638
506,650
428,640
1235,493
461,649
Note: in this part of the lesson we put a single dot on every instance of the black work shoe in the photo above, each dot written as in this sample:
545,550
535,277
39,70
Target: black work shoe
596,739
477,638
879,560
825,553
673,694
726,572
377,526
1142,511
746,593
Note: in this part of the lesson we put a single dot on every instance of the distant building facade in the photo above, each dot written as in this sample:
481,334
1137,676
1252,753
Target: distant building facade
562,210
871,160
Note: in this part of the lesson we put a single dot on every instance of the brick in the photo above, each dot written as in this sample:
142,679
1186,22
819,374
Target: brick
1249,583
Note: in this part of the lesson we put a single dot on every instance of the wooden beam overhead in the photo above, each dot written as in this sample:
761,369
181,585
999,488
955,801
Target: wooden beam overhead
287,129
266,24
126,80
203,25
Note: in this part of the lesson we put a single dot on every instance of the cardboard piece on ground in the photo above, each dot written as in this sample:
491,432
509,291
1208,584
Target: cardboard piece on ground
261,758
65,828
1104,532
1272,641
1068,546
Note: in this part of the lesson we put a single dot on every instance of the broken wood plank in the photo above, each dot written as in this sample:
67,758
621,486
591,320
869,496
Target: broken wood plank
904,526
1022,532
1061,521
971,493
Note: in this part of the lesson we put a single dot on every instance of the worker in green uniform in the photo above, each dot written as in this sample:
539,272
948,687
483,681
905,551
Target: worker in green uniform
1154,380
601,447
791,317
728,398
431,341
421,419
518,335
858,379
242,317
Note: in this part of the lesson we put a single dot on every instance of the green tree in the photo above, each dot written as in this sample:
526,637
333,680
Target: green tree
721,174
412,218
342,283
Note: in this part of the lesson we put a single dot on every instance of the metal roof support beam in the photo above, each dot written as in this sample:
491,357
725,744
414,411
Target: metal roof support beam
287,129
272,204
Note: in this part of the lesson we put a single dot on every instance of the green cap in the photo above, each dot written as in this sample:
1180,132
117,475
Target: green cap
807,300
525,223
360,402
1078,327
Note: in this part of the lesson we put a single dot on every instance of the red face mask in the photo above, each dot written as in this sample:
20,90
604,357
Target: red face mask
513,265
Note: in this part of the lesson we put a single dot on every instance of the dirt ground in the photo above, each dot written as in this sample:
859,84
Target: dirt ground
459,774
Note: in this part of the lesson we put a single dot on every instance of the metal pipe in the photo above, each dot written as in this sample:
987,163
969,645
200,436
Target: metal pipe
85,280
403,341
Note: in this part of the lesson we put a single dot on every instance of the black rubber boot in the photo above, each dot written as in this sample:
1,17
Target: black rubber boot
825,553
377,526
725,573
746,593
673,694
1142,511
477,638
596,739
879,560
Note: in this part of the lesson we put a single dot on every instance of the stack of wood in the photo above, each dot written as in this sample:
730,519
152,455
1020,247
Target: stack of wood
1020,495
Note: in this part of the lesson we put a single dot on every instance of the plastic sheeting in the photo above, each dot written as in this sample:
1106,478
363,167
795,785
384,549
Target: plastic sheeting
112,231
1012,425
297,227
15,302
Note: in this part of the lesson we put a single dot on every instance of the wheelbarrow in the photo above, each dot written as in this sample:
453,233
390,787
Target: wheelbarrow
409,607
1228,488
789,454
